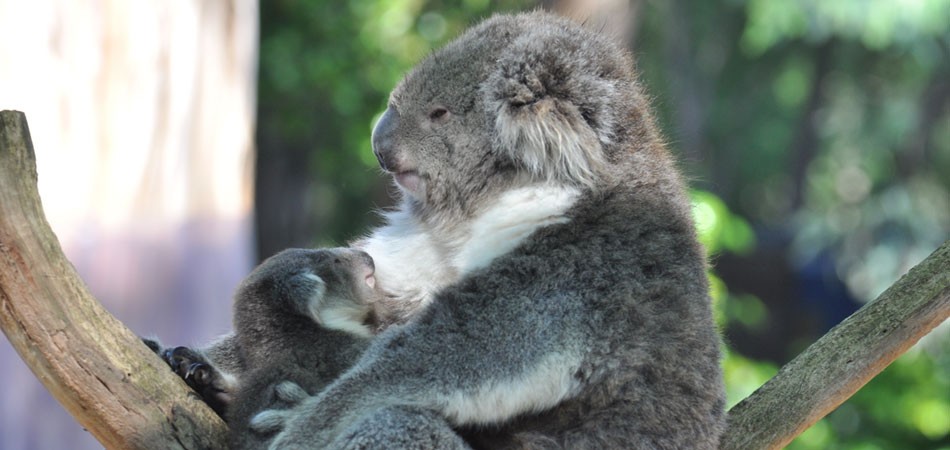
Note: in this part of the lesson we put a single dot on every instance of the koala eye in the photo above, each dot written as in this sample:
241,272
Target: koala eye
438,113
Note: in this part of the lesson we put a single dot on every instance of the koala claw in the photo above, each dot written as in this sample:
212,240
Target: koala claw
189,365
197,373
200,373
153,345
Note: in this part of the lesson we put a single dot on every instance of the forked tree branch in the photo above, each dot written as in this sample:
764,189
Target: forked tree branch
127,398
831,370
97,368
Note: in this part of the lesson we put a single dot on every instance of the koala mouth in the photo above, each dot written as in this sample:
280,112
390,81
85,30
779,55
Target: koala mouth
369,275
371,281
409,180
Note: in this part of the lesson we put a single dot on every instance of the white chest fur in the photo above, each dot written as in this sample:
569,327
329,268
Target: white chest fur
507,223
414,262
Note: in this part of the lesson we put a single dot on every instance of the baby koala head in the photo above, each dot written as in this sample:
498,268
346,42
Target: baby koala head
334,288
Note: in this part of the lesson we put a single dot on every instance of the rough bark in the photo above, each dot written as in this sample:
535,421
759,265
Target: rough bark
96,367
832,369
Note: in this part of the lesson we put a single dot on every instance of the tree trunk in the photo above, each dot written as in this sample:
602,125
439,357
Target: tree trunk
96,367
617,18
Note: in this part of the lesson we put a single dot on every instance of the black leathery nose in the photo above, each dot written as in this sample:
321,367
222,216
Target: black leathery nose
382,139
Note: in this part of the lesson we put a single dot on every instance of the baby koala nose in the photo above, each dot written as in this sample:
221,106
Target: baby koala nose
366,267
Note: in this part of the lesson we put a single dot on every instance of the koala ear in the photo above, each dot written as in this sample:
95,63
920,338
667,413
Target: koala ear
554,108
331,313
312,305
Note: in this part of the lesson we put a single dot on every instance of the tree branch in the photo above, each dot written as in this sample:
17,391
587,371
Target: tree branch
96,367
834,368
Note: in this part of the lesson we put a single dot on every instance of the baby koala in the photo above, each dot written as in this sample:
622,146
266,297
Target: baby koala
303,316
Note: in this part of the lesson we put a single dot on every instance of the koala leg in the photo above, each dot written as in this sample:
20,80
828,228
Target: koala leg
402,428
197,371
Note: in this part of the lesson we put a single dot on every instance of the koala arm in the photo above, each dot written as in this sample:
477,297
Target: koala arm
224,354
472,364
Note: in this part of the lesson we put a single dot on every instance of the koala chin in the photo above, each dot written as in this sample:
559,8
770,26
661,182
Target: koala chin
547,288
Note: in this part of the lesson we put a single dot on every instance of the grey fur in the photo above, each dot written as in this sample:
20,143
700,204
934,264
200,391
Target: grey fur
593,332
280,330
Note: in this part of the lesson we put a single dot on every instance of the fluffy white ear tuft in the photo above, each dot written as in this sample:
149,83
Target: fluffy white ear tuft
315,303
335,313
555,103
551,139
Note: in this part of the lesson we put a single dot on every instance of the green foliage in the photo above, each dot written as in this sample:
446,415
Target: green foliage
718,228
826,118
877,24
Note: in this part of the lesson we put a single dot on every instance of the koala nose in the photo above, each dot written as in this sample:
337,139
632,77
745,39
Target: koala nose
383,145
365,267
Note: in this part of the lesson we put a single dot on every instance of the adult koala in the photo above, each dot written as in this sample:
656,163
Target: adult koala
545,257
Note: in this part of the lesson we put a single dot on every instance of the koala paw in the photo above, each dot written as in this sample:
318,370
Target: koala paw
270,421
197,372
290,393
153,345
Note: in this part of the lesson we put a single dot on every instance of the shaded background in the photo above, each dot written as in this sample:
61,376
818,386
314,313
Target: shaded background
816,135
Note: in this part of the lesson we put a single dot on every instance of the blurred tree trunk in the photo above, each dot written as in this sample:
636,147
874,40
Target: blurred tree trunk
143,115
615,17
283,186
804,147
284,181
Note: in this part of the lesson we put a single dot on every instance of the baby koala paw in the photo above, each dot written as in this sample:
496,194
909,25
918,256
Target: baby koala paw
197,372
273,420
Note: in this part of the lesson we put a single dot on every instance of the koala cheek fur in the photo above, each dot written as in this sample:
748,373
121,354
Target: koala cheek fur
548,137
554,113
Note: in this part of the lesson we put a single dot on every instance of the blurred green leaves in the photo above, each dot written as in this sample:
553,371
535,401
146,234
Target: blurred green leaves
718,228
875,23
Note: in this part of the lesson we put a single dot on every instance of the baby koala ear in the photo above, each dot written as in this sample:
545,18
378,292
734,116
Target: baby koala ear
554,106
312,305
